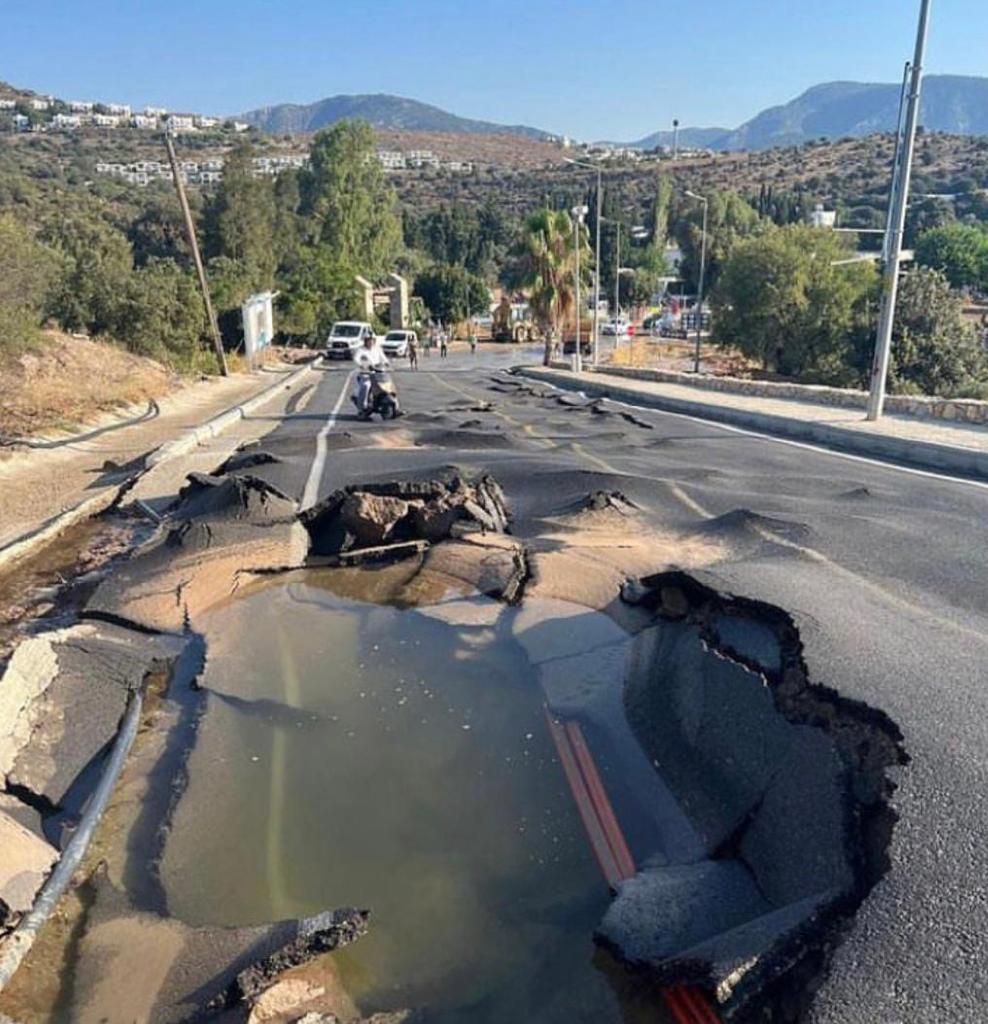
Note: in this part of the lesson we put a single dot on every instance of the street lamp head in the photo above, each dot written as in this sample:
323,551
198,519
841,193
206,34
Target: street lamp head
693,195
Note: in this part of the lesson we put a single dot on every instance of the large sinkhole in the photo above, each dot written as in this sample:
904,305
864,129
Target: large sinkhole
548,817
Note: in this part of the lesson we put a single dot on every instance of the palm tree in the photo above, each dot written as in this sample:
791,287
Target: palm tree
548,260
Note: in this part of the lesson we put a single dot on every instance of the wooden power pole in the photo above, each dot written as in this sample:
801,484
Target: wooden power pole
190,231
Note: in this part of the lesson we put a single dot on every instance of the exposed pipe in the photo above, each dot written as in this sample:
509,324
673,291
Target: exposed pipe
19,942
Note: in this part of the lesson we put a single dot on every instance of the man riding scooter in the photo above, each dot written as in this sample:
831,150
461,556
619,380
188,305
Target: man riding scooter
375,391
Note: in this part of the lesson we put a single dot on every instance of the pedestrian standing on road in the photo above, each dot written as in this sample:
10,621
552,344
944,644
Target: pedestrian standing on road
443,344
472,342
413,353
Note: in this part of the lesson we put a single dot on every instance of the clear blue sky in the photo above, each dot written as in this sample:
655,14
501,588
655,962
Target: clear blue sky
617,69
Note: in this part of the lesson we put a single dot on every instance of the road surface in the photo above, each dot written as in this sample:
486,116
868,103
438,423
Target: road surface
882,569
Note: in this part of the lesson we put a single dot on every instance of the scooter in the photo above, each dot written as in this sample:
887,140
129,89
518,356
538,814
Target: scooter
382,398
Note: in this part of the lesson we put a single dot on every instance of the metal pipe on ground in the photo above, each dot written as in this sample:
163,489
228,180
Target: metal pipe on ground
20,941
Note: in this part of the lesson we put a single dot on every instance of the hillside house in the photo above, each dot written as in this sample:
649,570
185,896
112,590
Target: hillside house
39,103
8,104
180,123
155,112
106,120
419,158
144,122
80,107
240,126
66,122
207,122
391,159
120,109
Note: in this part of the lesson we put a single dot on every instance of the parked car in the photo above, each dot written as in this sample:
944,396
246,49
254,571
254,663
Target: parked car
617,328
346,337
395,343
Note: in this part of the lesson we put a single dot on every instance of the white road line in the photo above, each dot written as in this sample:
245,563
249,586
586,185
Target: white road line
311,491
820,449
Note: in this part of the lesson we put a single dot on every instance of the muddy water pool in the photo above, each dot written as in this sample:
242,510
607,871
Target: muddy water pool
354,754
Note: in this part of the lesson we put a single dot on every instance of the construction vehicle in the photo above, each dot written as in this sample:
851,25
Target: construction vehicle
512,324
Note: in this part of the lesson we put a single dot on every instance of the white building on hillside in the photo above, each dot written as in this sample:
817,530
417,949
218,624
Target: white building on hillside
8,104
180,123
80,106
821,218
206,122
68,122
120,109
144,122
240,126
106,120
39,103
423,158
391,159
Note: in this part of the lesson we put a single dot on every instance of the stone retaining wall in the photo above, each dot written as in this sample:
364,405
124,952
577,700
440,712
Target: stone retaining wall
964,410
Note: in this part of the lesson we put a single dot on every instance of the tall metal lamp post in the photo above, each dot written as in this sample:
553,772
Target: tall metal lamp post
897,223
579,212
596,276
699,290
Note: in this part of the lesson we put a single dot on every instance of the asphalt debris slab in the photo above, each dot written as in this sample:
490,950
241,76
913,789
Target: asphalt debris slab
370,514
150,967
220,528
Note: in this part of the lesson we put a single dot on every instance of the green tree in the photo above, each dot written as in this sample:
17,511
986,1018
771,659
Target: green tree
546,265
96,267
730,219
959,251
934,350
349,207
785,299
239,220
162,316
27,270
452,293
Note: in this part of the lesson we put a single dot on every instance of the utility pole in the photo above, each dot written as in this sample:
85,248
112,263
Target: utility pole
190,231
675,139
699,290
897,224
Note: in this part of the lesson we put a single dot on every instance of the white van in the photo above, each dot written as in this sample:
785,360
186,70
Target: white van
346,337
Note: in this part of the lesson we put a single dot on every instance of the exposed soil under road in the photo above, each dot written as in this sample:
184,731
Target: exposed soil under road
774,811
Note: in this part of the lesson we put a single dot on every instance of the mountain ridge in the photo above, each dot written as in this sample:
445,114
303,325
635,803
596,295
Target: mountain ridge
956,104
381,110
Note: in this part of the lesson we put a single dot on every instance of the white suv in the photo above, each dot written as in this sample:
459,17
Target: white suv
396,343
346,337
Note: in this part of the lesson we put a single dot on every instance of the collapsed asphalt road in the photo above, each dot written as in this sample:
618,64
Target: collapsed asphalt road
882,571
865,591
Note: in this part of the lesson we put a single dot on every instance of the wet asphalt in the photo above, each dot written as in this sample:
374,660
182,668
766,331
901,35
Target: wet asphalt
882,568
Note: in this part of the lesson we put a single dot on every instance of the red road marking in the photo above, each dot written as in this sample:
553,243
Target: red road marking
584,804
688,1005
605,811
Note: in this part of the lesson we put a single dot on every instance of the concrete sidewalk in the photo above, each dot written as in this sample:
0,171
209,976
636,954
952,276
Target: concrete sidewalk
39,485
945,446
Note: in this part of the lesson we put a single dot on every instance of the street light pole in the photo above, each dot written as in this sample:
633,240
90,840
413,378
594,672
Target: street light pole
703,267
579,212
897,224
596,284
617,279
